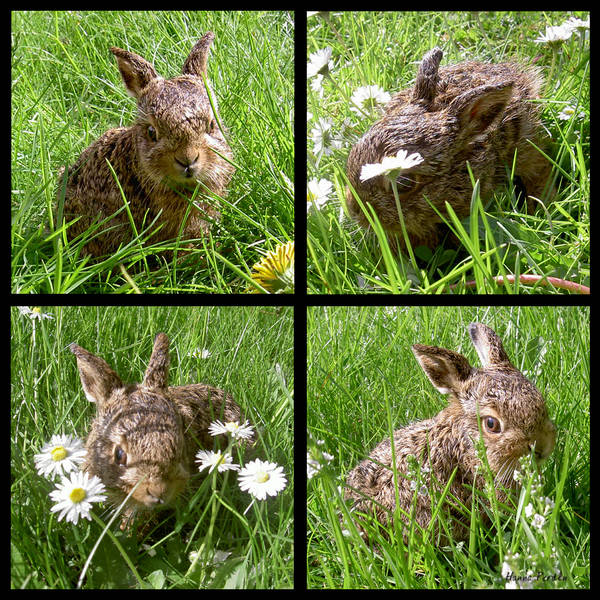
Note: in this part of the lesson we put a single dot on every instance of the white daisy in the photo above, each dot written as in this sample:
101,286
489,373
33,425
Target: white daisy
61,455
367,98
35,313
318,193
555,35
222,462
575,23
75,496
260,478
232,428
568,112
201,353
319,63
391,166
324,138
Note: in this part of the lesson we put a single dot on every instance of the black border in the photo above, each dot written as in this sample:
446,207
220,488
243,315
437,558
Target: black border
300,301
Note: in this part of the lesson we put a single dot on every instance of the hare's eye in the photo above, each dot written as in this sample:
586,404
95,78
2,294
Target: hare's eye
212,126
152,133
120,456
492,425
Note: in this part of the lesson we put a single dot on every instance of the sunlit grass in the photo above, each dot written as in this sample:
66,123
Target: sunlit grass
211,537
363,383
499,239
67,91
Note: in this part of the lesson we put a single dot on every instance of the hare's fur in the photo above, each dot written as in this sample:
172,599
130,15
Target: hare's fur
174,146
147,431
495,395
473,112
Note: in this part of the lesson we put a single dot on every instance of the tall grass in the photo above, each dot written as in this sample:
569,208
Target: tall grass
363,382
67,91
205,540
384,48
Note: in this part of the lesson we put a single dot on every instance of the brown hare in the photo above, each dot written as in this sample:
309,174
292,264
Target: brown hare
473,112
148,431
496,398
175,146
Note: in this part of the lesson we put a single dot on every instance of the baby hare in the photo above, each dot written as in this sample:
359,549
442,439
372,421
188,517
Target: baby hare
496,399
174,147
474,113
148,432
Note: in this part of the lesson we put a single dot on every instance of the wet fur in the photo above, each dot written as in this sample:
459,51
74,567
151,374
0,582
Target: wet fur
473,112
446,442
157,176
161,428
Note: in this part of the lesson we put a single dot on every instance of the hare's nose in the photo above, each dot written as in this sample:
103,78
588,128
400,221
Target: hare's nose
187,164
155,500
156,493
544,445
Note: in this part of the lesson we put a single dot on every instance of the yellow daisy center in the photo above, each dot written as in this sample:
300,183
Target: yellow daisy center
58,454
262,477
77,495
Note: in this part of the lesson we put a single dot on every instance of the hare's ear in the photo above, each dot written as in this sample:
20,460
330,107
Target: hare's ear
97,378
447,370
195,63
136,71
427,77
489,346
480,108
157,373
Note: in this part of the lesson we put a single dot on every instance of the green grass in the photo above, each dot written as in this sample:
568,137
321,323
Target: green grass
67,91
251,356
383,49
363,382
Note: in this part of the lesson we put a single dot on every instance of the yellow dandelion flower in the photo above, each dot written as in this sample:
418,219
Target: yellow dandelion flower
275,271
